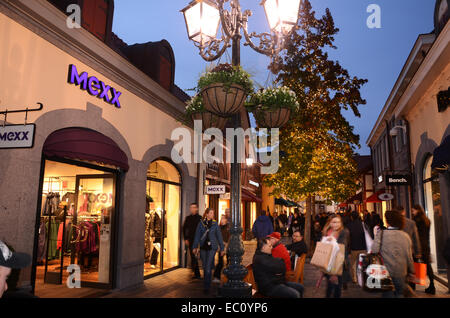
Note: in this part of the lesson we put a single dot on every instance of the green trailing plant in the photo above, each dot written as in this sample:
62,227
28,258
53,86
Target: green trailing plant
227,75
274,98
195,105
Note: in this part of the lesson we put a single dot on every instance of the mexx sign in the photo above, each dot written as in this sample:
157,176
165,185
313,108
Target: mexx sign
93,86
17,136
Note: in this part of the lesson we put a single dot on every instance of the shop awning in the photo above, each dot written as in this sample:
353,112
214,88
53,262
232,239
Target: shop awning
281,201
356,197
292,203
441,156
253,197
374,197
245,195
85,144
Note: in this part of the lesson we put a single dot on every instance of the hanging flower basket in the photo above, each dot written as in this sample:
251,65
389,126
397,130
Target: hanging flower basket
223,101
195,110
273,106
272,118
224,89
210,120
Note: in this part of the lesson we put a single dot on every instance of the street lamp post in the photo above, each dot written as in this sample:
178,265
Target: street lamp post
203,18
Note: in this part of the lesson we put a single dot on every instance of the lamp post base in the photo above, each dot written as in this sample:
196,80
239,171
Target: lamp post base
229,290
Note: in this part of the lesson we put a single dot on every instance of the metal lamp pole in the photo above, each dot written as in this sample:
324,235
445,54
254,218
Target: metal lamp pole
234,22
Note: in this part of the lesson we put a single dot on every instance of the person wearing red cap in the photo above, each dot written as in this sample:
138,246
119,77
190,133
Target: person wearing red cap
279,250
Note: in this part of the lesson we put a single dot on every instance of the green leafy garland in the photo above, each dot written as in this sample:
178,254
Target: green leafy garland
195,105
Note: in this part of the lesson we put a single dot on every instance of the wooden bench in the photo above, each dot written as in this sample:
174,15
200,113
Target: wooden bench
296,276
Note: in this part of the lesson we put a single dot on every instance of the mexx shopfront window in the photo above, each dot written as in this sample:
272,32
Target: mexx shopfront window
162,230
75,226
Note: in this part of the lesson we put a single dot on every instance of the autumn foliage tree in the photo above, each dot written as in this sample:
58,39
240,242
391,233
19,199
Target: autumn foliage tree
318,142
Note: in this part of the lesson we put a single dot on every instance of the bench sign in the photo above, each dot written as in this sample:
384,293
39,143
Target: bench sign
398,180
94,86
215,189
17,136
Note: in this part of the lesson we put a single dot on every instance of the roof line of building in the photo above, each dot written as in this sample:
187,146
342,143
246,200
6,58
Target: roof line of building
402,80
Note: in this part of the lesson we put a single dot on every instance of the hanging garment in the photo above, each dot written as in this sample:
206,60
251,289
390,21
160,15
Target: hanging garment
54,226
42,242
148,242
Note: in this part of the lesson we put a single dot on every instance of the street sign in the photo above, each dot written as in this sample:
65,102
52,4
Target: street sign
215,189
398,179
17,136
385,196
225,196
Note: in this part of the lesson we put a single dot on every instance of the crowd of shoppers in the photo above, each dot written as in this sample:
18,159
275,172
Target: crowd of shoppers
402,240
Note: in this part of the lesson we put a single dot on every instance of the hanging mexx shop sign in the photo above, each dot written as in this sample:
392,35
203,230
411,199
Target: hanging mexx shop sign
93,86
17,136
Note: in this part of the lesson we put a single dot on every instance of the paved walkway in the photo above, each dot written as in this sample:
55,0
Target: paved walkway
179,284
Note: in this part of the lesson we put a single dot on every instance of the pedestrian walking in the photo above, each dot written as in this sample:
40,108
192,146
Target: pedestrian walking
189,228
396,252
411,229
279,250
357,242
335,228
423,227
224,225
295,223
270,274
209,237
283,222
10,260
377,223
262,226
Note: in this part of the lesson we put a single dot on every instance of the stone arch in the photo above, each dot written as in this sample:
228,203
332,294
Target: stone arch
425,150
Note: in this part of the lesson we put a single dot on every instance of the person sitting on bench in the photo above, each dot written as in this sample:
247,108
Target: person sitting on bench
270,274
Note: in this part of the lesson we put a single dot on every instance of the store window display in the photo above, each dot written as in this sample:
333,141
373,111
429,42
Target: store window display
162,230
433,209
75,225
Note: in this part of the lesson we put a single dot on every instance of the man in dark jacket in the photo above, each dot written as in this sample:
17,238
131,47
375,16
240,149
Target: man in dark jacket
270,274
411,228
297,248
262,226
357,242
189,228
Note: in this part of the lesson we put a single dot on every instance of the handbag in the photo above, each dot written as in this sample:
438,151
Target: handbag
373,275
205,243
421,273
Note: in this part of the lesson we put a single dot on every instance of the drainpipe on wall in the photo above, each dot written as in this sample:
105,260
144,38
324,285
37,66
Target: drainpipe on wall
410,165
391,167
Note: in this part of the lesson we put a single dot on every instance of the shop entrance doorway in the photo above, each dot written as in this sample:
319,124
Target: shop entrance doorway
162,231
76,223
76,215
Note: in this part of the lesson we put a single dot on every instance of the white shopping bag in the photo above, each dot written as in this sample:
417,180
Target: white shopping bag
331,240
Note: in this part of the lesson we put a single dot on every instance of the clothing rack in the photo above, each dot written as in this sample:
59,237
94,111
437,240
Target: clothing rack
49,232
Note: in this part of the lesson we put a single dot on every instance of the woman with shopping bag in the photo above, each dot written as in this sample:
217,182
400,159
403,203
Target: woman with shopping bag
334,230
395,247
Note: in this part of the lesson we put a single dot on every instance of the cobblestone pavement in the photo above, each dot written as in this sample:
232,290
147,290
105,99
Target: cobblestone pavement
179,284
